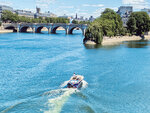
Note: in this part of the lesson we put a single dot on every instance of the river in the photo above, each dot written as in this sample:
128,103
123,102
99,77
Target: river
34,67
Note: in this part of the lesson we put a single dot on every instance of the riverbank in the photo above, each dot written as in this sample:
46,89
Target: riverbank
5,31
120,39
2,30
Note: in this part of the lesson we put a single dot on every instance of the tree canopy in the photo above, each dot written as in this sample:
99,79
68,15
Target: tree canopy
8,16
108,24
138,23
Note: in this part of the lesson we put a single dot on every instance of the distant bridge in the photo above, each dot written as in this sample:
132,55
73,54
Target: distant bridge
37,27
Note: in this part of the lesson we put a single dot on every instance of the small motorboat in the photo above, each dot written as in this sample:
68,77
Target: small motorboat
75,81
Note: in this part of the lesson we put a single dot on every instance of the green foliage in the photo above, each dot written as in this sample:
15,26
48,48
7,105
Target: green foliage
111,22
108,24
80,22
84,22
132,25
93,33
75,22
8,16
138,23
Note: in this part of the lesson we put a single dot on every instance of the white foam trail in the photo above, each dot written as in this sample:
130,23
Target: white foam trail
57,103
85,84
64,84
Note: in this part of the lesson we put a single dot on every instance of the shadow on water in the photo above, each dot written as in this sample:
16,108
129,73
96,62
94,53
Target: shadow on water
129,44
137,44
97,46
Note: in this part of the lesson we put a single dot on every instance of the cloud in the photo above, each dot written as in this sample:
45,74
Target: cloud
98,12
93,5
133,1
6,3
44,3
137,4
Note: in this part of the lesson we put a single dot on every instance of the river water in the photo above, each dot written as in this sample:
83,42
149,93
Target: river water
34,67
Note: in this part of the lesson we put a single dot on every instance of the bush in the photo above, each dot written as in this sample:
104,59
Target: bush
138,23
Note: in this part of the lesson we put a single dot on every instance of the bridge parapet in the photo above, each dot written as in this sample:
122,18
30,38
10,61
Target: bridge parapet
36,27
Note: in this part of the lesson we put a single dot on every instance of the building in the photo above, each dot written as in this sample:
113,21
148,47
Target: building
76,16
146,10
64,16
91,19
38,10
3,8
81,18
125,12
43,15
24,13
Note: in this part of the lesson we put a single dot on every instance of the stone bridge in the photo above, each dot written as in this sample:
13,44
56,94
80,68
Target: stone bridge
37,27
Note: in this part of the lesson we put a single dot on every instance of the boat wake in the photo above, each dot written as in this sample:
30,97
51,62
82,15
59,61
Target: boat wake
59,97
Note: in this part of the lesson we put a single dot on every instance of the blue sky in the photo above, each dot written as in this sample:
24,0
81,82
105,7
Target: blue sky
84,8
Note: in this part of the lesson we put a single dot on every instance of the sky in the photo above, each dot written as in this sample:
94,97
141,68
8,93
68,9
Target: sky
84,8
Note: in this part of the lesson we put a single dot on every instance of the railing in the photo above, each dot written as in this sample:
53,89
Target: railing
4,24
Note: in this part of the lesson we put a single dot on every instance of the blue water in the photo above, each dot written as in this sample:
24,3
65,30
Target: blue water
33,67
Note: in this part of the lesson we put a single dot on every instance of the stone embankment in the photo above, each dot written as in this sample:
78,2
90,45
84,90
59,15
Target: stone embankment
119,39
2,30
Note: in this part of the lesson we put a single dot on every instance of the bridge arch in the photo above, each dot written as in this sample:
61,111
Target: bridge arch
11,28
24,28
39,29
53,29
73,28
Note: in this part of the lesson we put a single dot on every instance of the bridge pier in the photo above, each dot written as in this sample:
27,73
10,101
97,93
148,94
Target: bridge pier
33,29
49,30
17,29
67,31
83,31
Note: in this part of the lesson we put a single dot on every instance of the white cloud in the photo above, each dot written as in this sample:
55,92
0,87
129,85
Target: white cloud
93,5
137,4
98,12
44,3
133,1
5,3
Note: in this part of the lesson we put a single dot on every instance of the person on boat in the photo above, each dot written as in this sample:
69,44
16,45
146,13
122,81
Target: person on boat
74,77
74,74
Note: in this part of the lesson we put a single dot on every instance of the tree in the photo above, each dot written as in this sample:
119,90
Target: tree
114,19
132,25
75,22
138,23
108,24
8,16
84,22
94,33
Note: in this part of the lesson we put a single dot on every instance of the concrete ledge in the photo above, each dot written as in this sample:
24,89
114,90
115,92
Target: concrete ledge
5,31
89,42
